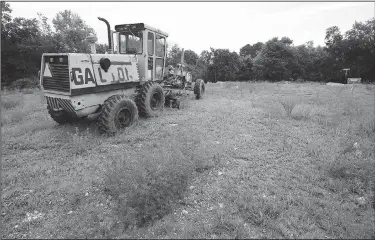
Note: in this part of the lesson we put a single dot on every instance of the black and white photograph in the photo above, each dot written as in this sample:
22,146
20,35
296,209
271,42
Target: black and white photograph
187,120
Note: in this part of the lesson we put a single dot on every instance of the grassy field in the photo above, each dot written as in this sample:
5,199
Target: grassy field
250,160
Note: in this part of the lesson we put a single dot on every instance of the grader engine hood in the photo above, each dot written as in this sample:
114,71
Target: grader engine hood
76,74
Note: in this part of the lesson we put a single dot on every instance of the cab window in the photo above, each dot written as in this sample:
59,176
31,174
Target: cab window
150,43
160,46
131,42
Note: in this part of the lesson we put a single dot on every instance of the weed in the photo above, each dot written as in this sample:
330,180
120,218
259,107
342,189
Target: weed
228,226
17,116
350,108
367,126
369,88
313,150
12,101
148,191
351,168
288,104
302,112
252,88
286,145
252,210
80,141
332,122
318,99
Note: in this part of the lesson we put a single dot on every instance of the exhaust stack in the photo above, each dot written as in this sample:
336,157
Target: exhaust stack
109,34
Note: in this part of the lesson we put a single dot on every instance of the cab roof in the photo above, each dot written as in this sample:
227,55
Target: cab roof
138,27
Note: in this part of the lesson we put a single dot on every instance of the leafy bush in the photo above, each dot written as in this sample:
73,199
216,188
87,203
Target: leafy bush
23,83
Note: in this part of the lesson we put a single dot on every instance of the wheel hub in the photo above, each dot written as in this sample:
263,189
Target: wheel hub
123,118
155,101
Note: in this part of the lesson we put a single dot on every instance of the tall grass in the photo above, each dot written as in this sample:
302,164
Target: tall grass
12,101
148,189
288,104
302,112
130,185
353,168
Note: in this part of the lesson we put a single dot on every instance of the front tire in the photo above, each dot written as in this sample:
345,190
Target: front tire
150,99
199,89
117,113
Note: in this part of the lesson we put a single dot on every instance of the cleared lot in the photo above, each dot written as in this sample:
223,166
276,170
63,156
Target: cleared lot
250,160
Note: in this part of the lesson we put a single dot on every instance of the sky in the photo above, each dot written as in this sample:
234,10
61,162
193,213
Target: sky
200,25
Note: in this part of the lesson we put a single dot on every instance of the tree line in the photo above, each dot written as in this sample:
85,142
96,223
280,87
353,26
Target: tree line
279,59
25,40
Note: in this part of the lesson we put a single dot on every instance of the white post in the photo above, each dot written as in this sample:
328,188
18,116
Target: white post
92,40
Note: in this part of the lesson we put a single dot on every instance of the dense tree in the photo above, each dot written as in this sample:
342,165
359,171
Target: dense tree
200,70
191,61
25,40
5,13
174,56
20,45
286,41
245,68
359,49
354,49
101,48
277,61
251,50
225,65
190,57
72,30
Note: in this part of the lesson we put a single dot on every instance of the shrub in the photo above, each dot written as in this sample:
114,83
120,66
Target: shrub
22,83
288,104
302,113
146,187
145,193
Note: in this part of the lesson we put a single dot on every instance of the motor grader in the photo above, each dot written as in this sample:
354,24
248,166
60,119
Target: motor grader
117,87
180,79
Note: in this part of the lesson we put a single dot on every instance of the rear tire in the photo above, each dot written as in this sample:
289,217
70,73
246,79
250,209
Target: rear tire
61,117
199,89
150,99
117,113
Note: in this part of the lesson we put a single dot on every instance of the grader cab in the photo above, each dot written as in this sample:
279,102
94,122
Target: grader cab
115,87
